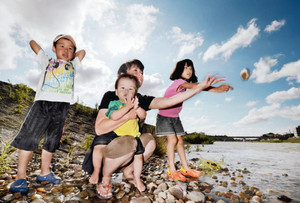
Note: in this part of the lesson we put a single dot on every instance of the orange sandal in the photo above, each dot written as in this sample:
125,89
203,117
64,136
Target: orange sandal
175,175
104,191
190,172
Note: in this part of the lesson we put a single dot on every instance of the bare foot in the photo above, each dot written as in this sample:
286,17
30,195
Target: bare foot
140,185
128,175
104,190
129,178
94,178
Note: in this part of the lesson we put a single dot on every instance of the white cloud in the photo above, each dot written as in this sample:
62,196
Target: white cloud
228,99
152,85
93,80
188,42
132,34
251,103
281,96
258,115
198,102
274,26
267,112
23,23
262,72
243,38
9,50
196,124
49,19
290,112
274,108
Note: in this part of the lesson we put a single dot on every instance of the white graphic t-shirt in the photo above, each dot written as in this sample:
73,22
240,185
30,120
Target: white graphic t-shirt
57,79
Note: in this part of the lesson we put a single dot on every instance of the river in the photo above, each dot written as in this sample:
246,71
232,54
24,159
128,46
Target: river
274,167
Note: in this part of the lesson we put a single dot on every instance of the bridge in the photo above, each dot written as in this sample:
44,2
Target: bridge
244,138
233,138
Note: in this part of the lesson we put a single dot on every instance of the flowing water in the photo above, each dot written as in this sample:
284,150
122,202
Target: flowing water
274,167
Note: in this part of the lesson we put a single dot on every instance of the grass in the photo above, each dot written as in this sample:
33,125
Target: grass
86,144
6,150
81,109
290,140
20,93
18,109
210,165
197,138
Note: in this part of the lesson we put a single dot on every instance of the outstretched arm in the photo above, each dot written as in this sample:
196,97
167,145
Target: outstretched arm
80,54
220,89
35,46
165,102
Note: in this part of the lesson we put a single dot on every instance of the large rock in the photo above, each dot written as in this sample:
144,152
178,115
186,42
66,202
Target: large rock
195,196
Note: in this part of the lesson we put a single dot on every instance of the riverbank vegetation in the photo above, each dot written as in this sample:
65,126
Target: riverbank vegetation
197,138
289,140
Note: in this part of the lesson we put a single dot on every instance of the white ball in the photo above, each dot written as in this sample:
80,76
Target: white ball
245,74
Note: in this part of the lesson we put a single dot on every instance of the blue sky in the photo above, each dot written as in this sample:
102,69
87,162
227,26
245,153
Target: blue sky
220,37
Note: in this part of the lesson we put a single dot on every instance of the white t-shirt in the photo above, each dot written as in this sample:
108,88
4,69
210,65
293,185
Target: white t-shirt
57,79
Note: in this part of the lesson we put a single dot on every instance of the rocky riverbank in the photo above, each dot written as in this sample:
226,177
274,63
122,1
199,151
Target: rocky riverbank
75,186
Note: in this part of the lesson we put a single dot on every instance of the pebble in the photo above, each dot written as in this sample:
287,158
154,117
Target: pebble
75,187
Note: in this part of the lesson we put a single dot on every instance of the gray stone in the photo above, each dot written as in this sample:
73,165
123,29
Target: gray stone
176,192
38,201
256,199
170,201
140,200
163,187
8,198
197,197
162,195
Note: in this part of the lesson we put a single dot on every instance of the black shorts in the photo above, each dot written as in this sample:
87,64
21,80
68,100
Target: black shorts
44,117
125,144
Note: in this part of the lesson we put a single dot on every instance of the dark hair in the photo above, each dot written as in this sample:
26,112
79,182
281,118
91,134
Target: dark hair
178,70
125,66
54,43
131,77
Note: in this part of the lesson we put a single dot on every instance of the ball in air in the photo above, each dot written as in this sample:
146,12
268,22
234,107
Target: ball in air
245,74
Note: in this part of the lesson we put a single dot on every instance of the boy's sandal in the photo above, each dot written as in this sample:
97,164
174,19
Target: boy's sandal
50,178
190,172
104,191
19,186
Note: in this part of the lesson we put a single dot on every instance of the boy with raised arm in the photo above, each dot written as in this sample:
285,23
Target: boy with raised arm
47,115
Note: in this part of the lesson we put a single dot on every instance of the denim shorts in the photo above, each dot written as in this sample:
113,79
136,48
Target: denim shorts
46,118
168,126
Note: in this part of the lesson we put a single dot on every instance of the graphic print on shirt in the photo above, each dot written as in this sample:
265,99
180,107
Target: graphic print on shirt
58,77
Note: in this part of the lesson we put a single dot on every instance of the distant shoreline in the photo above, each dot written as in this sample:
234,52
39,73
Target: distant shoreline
290,140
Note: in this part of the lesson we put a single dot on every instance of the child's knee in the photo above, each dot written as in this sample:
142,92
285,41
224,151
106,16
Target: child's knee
180,142
151,145
99,149
173,140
